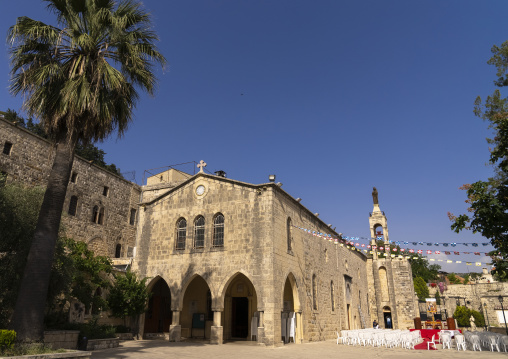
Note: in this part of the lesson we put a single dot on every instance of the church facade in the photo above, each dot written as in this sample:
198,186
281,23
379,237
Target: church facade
227,260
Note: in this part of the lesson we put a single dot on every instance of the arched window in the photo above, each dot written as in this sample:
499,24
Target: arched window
118,250
101,216
73,205
332,292
181,233
314,292
218,230
95,214
199,232
289,239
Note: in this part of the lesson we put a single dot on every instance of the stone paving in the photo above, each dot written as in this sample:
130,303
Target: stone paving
151,349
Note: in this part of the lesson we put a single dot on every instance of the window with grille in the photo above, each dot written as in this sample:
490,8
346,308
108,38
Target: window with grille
181,233
199,232
7,148
73,205
218,230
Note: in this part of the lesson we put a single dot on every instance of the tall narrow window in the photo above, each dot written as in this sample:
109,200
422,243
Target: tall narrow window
199,232
73,205
218,230
95,214
118,250
132,218
74,177
181,233
289,234
7,148
105,191
101,216
332,293
314,292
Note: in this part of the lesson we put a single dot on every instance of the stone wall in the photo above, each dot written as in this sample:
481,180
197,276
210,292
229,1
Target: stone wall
475,296
61,339
30,160
255,255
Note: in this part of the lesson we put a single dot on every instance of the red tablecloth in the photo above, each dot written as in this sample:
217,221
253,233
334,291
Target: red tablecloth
428,333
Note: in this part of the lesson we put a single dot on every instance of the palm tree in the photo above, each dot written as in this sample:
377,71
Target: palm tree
79,80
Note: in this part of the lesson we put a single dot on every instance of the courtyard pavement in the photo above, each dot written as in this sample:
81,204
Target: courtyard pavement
151,349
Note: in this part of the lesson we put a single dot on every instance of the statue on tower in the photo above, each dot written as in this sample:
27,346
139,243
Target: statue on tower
374,196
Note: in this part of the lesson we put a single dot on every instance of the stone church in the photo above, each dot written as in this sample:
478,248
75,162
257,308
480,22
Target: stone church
227,260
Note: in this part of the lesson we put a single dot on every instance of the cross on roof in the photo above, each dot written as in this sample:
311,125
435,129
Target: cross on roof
201,165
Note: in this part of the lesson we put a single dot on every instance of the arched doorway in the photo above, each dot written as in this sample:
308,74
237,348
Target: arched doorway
387,315
240,306
159,314
290,316
196,317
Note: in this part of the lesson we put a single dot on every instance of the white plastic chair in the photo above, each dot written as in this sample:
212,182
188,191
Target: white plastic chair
447,340
339,338
503,342
432,342
460,342
475,342
493,343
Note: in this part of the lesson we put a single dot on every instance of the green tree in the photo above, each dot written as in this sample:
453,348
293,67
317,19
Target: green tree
128,297
452,277
463,316
488,200
420,268
466,279
421,289
80,81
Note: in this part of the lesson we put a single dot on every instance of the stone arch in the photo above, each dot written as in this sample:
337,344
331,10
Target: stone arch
158,316
227,281
240,305
98,246
295,291
185,284
195,298
387,317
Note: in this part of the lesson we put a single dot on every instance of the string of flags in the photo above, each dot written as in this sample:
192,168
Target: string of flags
397,243
348,243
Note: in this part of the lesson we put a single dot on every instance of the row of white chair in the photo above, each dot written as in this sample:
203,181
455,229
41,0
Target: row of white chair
380,337
487,340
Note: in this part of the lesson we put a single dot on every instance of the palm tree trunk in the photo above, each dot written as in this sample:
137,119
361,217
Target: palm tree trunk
28,317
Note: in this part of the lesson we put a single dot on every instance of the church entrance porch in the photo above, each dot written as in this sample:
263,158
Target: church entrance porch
240,315
158,315
196,318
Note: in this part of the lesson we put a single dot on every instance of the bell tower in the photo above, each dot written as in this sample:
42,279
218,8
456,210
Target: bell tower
378,224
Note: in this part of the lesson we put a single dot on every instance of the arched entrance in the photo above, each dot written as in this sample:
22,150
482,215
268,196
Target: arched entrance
158,316
196,317
387,315
240,306
290,316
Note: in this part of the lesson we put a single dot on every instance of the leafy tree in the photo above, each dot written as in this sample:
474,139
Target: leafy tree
421,268
466,279
80,81
452,277
421,289
128,297
463,315
488,200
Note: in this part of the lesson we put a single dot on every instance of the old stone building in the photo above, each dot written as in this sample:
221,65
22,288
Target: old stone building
100,207
226,259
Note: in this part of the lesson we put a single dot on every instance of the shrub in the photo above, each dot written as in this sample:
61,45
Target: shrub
478,318
421,289
122,329
462,315
438,298
7,339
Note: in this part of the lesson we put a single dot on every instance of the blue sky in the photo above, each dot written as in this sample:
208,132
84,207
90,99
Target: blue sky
334,97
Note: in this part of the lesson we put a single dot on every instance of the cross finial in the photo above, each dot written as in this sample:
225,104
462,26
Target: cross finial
201,165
